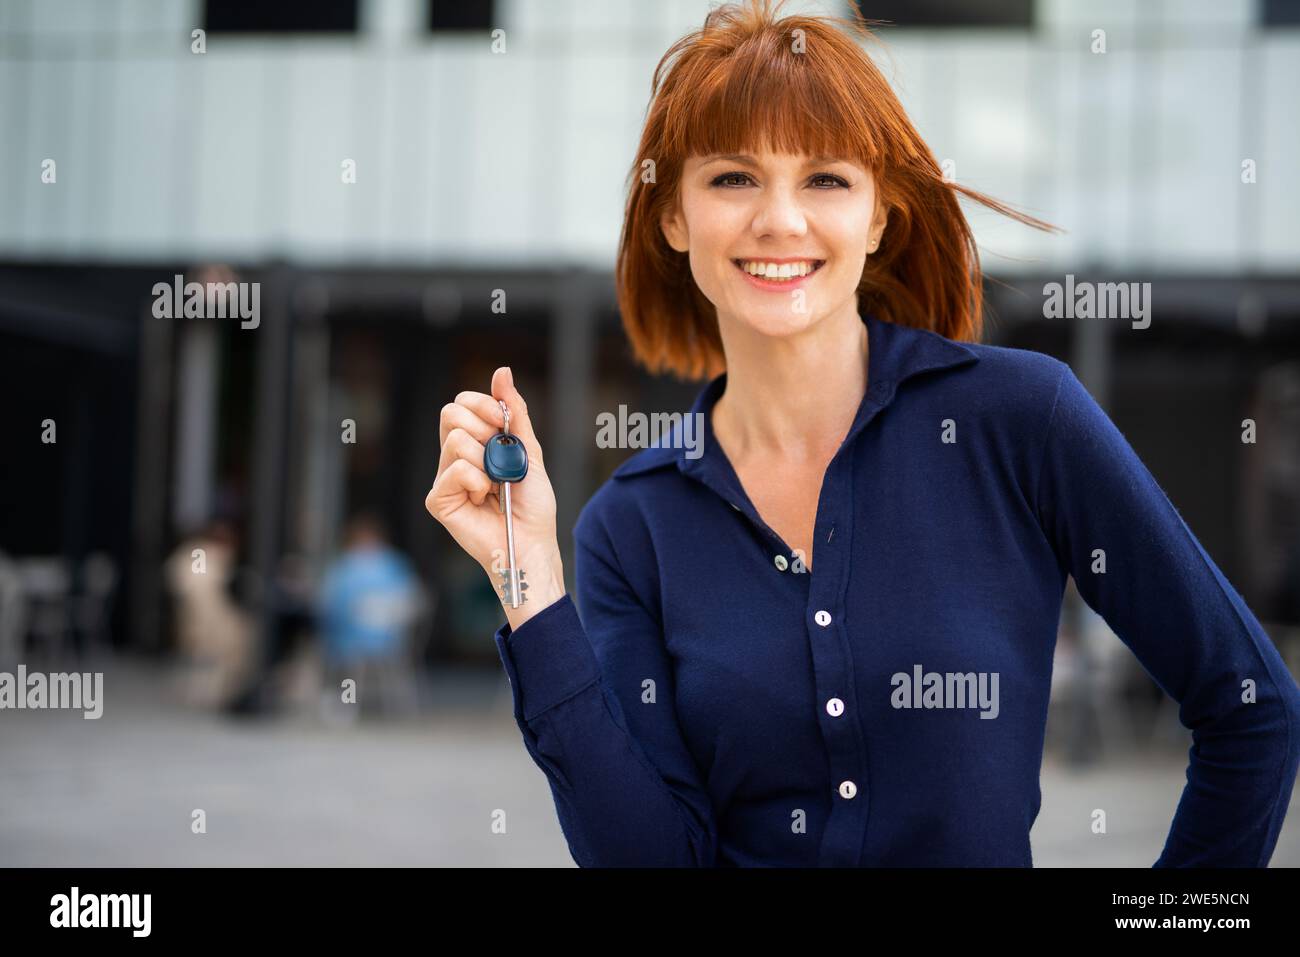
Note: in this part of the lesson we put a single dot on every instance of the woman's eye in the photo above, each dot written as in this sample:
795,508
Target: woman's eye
728,179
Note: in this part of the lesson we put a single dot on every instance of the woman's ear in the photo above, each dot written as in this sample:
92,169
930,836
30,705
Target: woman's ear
877,231
880,222
674,229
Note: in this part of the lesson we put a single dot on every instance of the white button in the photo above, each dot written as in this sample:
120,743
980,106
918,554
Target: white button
781,563
822,618
835,707
848,789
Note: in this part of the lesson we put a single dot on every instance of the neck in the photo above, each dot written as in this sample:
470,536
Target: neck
795,397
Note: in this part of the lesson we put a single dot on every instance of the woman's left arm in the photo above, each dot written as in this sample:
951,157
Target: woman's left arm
1139,566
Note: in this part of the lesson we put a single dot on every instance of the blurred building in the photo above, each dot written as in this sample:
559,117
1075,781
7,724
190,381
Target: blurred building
395,173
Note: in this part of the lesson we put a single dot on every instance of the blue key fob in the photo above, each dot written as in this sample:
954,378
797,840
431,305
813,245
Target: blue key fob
504,458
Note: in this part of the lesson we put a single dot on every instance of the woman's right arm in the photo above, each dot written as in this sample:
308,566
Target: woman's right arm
627,791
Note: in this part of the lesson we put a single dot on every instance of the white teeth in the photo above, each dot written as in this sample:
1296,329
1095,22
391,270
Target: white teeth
768,270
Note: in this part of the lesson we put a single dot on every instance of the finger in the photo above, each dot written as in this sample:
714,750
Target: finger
474,481
461,445
456,415
459,478
482,405
503,387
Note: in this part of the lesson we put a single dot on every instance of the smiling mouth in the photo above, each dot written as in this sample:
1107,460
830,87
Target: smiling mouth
778,279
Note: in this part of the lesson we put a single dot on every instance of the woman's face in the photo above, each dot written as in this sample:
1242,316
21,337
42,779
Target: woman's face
806,225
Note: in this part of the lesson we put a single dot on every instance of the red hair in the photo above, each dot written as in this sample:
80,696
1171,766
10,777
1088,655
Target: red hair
747,81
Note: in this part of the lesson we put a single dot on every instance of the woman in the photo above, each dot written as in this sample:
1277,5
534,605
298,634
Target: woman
828,639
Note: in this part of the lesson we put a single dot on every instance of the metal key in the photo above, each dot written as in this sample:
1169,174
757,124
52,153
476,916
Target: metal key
506,461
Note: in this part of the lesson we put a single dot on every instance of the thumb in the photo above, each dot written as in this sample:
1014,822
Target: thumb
503,388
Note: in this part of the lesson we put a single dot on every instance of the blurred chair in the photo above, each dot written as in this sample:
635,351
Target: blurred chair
47,589
1091,673
13,614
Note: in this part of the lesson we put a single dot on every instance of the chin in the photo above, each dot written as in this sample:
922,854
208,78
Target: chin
777,322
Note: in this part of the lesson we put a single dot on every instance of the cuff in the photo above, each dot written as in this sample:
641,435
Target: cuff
548,659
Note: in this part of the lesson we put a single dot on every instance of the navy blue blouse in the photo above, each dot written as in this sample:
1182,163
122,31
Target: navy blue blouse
710,701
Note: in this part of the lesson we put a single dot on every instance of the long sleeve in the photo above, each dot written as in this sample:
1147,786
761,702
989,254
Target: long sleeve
626,789
1161,593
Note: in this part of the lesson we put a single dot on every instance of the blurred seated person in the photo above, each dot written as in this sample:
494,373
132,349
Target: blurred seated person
213,634
369,599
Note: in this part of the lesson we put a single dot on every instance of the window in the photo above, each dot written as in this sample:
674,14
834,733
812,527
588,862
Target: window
283,16
946,13
460,15
1280,13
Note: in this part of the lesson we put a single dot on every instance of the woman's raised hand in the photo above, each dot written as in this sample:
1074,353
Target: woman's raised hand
467,502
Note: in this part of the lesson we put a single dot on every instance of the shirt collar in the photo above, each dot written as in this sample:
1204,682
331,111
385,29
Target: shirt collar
894,354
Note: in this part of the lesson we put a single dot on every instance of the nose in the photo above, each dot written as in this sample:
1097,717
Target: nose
779,212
